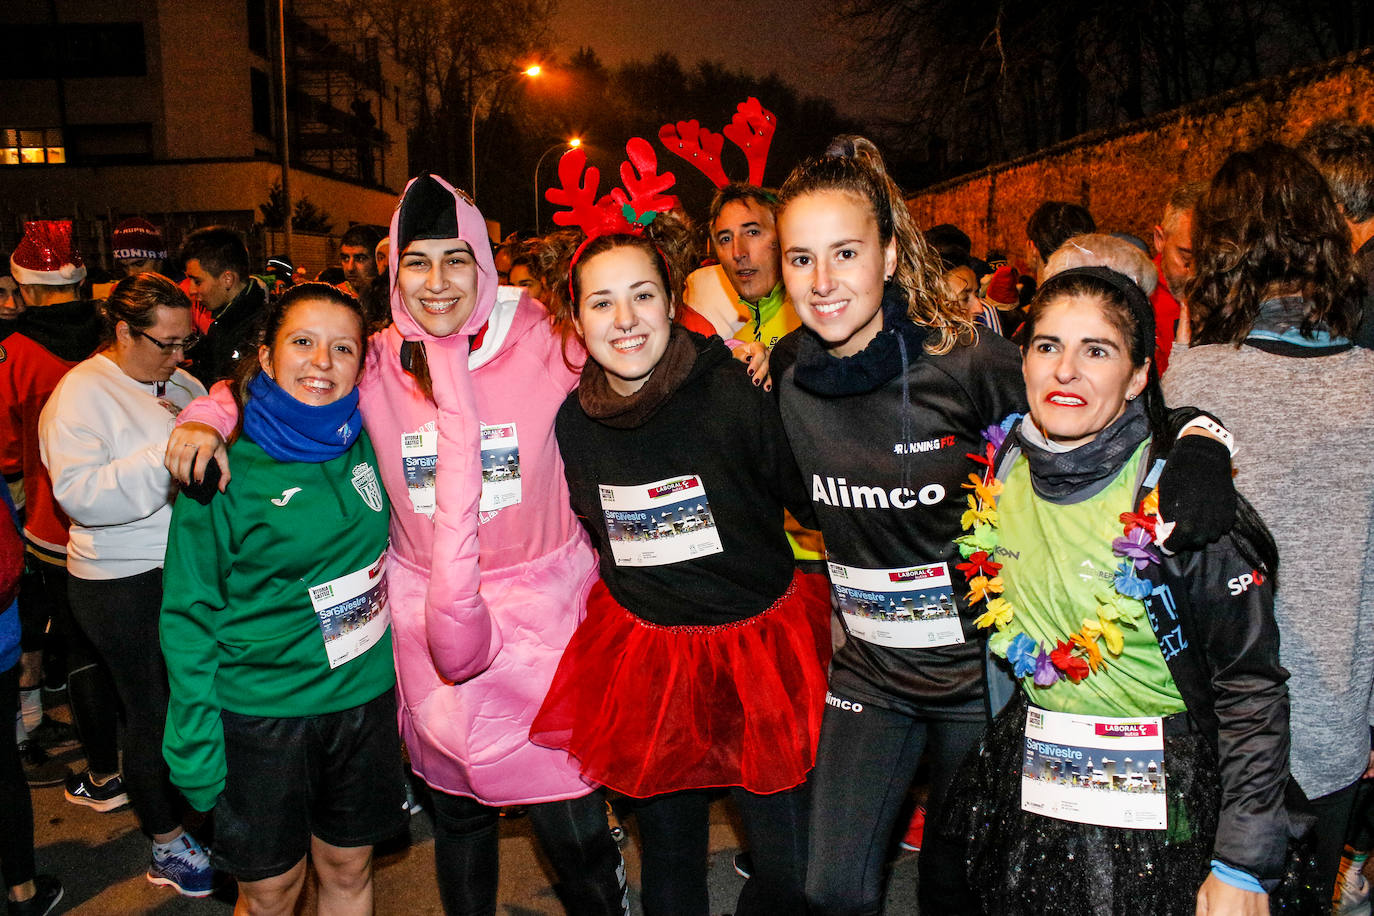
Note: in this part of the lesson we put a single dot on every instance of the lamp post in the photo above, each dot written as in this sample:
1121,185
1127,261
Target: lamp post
472,134
574,143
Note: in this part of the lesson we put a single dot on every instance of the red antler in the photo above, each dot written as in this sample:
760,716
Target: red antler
617,211
579,197
698,145
751,130
647,187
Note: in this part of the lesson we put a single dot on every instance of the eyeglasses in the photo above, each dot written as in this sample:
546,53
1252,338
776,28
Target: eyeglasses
182,345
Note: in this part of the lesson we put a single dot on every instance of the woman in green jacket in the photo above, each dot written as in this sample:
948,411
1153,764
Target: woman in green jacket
276,630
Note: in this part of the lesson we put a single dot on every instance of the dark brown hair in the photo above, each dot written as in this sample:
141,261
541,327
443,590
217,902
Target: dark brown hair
135,300
1055,222
248,366
1268,226
1344,153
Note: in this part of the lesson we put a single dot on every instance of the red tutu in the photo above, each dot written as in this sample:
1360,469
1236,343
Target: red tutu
648,709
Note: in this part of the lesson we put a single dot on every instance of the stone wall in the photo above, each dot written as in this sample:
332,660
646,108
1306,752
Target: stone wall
1123,175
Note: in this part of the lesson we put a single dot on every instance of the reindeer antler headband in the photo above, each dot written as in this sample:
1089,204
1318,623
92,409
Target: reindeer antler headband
751,130
618,212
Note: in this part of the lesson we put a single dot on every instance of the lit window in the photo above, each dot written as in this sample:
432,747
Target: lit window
32,147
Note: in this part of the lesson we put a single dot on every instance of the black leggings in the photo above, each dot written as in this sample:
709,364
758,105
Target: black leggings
16,809
120,617
865,764
1333,821
95,707
573,834
673,833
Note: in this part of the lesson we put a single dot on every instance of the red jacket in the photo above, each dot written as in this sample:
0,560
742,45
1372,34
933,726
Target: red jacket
28,375
1167,310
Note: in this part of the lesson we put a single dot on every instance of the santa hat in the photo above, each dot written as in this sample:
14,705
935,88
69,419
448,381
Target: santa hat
46,255
137,239
1002,287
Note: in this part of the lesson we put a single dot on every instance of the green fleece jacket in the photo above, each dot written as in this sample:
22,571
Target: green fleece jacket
239,630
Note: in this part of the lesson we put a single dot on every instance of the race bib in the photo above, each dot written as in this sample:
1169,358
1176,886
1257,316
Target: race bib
500,467
910,608
664,522
420,461
352,611
1094,769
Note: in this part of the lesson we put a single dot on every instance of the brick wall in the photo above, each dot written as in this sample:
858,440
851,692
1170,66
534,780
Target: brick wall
1123,175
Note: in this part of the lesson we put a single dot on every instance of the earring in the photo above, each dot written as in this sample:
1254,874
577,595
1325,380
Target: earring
1130,397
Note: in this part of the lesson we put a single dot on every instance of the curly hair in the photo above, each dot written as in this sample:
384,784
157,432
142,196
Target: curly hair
854,166
1268,226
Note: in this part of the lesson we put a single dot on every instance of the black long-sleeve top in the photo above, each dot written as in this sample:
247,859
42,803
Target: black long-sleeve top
722,429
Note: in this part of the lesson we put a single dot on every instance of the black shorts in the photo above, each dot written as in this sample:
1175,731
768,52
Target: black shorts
335,776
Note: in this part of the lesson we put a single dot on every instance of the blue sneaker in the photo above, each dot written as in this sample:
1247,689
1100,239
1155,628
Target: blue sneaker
183,864
82,789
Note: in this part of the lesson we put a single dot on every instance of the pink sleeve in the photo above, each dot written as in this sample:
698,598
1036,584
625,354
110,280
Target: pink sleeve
216,410
463,636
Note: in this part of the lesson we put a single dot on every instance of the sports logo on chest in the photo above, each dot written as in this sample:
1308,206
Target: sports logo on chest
365,482
926,445
839,493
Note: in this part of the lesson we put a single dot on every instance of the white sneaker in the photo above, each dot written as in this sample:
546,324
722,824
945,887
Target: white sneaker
1352,891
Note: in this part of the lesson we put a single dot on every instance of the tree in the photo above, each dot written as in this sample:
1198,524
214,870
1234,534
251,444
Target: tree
983,82
305,215
452,52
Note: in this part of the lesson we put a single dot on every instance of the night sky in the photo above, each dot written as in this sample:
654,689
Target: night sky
793,38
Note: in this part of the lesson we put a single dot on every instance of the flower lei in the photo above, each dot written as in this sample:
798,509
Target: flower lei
1079,655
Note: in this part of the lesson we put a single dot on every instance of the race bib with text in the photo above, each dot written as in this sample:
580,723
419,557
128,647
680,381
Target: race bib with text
909,608
664,522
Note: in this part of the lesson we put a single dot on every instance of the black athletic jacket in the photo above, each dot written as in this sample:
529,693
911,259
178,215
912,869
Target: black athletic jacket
870,446
1213,615
230,336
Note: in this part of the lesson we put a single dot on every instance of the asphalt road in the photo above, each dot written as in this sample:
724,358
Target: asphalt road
101,859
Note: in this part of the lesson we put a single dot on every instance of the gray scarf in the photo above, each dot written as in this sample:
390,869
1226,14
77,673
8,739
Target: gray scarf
1084,471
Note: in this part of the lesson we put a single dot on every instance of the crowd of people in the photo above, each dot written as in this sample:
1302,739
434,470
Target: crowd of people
891,543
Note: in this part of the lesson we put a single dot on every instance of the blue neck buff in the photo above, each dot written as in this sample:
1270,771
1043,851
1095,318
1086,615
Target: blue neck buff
288,430
1281,320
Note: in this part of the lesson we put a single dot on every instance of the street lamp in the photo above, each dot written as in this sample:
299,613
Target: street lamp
532,71
574,143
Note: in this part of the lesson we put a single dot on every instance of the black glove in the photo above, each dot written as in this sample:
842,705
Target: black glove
1196,492
204,491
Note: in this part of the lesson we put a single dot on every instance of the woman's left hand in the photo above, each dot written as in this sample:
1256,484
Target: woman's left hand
755,355
1196,492
190,448
1217,898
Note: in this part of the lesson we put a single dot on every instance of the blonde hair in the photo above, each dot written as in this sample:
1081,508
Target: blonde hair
854,166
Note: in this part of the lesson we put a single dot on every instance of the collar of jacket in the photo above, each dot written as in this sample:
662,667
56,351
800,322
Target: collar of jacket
766,309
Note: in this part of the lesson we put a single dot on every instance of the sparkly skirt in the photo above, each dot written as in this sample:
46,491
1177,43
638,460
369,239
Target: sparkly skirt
1019,863
647,709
